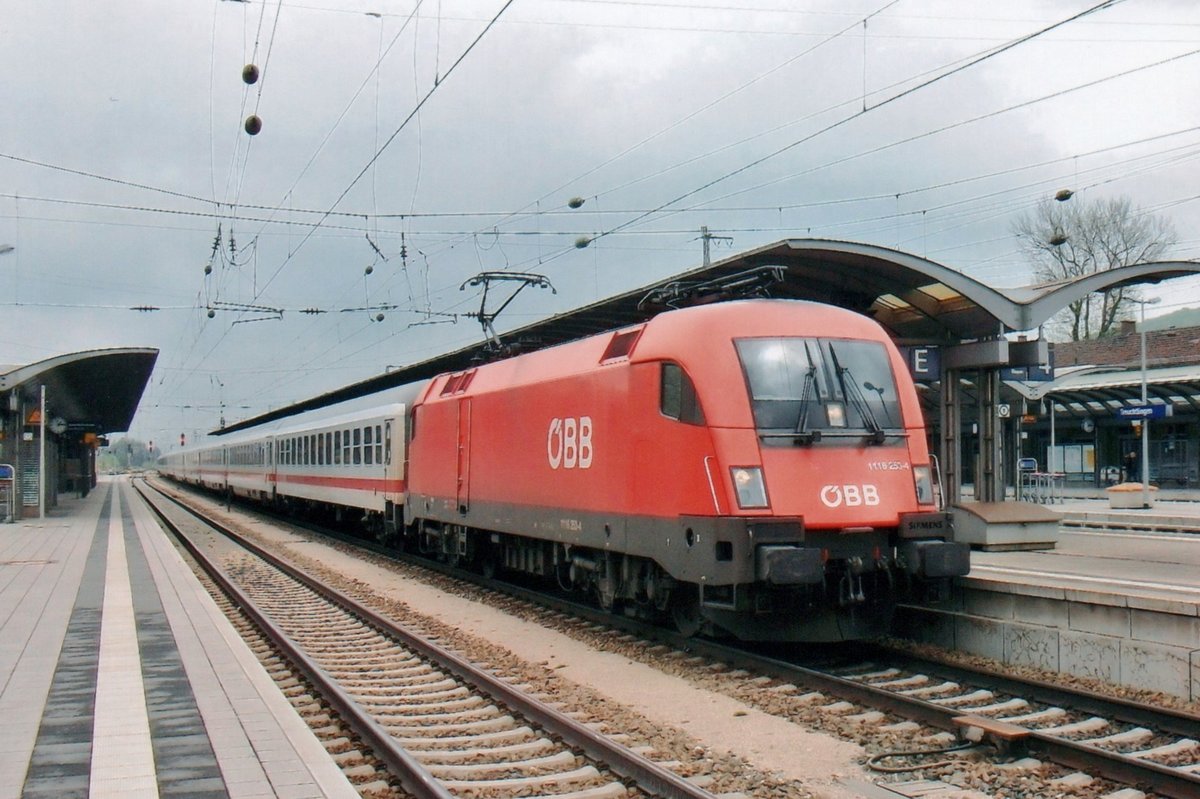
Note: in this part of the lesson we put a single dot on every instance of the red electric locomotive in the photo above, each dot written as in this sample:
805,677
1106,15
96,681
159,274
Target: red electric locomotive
758,467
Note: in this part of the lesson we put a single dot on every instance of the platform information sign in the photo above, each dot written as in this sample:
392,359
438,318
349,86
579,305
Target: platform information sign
1143,412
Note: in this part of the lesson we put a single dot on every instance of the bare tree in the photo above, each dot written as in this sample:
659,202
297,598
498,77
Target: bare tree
1067,240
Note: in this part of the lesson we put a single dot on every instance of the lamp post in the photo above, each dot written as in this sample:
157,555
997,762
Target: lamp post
1145,404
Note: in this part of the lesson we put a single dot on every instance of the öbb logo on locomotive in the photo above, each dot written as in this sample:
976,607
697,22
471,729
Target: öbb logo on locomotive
569,443
850,495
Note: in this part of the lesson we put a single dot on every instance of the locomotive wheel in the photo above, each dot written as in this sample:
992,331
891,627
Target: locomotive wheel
685,609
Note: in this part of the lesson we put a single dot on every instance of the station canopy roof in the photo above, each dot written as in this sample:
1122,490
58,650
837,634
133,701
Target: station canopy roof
1099,391
96,390
917,300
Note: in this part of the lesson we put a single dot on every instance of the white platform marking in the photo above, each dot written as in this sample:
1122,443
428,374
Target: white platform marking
122,753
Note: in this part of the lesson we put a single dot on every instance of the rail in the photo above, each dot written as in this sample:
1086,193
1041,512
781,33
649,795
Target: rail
648,775
1129,770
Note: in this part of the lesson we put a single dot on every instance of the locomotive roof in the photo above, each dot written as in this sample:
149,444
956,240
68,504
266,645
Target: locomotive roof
916,300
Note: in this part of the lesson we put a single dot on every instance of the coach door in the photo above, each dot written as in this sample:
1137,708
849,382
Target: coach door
464,454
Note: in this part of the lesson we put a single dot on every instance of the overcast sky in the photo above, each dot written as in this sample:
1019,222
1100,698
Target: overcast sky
429,141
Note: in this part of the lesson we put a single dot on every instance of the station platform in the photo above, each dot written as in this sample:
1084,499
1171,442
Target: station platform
1117,601
120,677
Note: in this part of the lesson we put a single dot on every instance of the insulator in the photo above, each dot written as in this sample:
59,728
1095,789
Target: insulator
378,317
253,124
211,313
368,270
208,269
250,74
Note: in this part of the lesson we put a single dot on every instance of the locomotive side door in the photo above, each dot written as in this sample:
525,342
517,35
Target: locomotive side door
464,454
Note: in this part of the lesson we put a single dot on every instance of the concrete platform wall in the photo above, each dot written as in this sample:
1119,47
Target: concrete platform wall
1152,649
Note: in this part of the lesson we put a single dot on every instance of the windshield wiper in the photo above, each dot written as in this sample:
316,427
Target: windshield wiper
803,434
860,404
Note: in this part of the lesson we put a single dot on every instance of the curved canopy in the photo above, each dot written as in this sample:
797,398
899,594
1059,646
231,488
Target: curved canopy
917,300
95,390
1039,303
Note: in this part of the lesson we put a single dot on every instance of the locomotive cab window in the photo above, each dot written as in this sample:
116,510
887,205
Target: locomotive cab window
809,387
677,395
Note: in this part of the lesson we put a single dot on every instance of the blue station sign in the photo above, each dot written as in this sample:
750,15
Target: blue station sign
1143,412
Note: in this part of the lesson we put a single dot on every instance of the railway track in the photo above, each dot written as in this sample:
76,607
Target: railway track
1122,740
442,725
1101,736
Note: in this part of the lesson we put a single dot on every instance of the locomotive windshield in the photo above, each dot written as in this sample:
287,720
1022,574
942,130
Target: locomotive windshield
805,388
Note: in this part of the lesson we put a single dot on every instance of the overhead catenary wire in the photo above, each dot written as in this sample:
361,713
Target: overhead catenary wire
317,225
1104,5
371,161
449,228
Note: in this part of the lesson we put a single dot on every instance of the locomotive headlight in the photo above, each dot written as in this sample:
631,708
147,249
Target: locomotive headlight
836,412
751,490
923,479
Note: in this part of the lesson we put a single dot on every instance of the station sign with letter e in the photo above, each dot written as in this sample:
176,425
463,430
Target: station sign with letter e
924,363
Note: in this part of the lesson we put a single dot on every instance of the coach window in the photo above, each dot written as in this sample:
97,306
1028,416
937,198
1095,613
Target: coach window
387,441
346,447
379,444
337,447
367,450
678,398
328,448
357,445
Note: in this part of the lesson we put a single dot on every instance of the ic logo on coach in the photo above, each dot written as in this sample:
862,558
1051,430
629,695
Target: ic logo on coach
850,495
569,443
